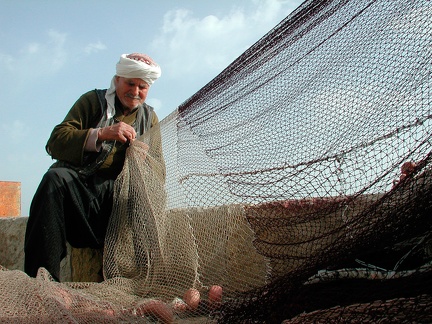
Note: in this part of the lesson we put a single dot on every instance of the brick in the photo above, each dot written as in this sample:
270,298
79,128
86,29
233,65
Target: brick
10,198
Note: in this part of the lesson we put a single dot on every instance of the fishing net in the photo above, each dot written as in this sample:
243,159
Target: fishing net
295,187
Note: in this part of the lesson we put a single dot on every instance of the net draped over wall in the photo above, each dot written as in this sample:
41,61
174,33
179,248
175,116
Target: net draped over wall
298,181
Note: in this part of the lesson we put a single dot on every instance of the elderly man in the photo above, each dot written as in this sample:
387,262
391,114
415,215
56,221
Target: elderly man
74,199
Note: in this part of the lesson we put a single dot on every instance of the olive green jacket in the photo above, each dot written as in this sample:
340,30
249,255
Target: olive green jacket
67,141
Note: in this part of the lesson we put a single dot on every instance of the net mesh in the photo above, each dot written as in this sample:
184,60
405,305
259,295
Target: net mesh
295,187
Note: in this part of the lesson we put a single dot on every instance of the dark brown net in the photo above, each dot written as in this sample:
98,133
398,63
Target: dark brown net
298,181
309,129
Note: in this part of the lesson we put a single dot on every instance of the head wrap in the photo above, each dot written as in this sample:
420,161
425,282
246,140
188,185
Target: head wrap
133,65
138,66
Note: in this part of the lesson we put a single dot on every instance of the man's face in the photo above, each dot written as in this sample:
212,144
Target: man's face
131,92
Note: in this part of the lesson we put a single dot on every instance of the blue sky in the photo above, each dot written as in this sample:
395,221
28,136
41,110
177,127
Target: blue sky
53,51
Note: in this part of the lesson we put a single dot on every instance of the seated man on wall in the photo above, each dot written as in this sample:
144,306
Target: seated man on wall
74,200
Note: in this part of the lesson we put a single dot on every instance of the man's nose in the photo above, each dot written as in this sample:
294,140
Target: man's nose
135,91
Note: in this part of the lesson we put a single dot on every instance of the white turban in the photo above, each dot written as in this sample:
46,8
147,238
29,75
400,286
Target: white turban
148,71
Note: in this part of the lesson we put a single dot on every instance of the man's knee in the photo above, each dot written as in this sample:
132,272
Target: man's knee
57,177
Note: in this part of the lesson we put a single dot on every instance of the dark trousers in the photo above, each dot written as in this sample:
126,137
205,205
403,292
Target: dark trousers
64,209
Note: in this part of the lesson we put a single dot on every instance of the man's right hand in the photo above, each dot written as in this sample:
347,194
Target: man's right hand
120,132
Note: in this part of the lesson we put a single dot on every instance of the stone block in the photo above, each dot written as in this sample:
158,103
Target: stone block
86,265
79,265
12,231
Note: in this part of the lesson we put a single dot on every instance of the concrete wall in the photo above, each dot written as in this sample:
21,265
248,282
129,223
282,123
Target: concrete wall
12,230
84,265
79,265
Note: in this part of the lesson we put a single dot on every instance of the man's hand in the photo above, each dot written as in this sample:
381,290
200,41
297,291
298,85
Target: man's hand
121,132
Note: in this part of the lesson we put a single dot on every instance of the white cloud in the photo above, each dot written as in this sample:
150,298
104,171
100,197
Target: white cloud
36,59
271,11
155,103
43,57
94,47
211,43
33,48
192,42
56,48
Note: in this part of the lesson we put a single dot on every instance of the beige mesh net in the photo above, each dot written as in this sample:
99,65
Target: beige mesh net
295,186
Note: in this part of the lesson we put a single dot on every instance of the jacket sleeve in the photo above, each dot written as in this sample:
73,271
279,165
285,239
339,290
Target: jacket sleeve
67,140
